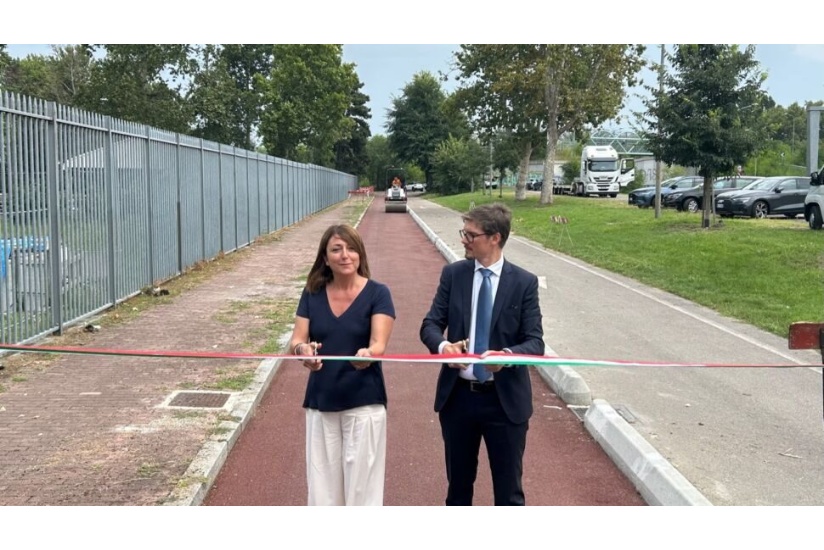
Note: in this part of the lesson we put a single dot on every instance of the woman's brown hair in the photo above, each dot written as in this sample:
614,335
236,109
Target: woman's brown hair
321,274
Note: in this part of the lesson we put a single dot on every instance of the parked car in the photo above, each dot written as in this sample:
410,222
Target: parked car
692,199
814,201
778,195
491,184
643,197
416,186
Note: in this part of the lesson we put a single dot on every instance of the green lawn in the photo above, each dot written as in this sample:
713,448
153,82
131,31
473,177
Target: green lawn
767,273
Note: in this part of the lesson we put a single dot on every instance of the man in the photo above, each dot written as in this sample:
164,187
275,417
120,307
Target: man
493,402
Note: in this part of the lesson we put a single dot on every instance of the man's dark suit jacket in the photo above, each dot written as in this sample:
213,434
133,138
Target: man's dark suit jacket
516,325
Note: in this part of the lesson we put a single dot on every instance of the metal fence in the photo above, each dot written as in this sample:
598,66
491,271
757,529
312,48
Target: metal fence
95,209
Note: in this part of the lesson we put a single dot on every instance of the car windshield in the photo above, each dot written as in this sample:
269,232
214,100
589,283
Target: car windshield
603,165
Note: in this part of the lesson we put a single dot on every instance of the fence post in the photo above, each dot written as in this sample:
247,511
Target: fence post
202,202
179,208
149,203
54,230
108,181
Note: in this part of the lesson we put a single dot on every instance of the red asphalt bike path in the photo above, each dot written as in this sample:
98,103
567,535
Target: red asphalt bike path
563,464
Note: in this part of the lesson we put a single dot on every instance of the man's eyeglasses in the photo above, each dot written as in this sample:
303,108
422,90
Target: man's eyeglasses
469,236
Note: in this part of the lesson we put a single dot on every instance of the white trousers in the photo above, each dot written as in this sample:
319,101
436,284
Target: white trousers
346,456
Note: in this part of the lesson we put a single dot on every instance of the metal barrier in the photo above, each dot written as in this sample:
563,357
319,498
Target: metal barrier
126,206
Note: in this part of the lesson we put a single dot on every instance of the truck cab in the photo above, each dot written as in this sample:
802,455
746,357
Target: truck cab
602,172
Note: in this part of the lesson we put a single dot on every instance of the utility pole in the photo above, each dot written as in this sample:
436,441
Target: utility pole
658,161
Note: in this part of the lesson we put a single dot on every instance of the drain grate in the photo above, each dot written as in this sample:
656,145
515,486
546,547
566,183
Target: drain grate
625,413
579,411
203,400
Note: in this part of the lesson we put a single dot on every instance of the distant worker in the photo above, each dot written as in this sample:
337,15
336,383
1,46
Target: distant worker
396,182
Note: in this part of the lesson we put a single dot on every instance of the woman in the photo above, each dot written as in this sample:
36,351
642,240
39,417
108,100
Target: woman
343,312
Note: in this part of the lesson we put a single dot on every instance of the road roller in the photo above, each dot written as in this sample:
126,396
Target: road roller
395,196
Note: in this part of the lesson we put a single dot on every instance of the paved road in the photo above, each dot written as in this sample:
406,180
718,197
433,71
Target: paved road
563,465
740,436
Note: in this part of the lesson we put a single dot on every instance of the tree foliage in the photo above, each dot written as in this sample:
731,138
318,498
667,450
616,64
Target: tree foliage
225,94
506,153
498,100
381,157
552,88
709,114
306,97
350,151
458,163
141,83
417,124
212,98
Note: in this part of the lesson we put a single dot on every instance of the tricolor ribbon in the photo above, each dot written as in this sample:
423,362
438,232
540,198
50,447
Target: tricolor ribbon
467,358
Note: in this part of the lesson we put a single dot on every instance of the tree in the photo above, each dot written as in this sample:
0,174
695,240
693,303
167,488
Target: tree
709,113
416,123
243,62
28,76
497,100
350,151
5,58
305,100
212,99
59,77
225,92
380,157
141,83
70,72
505,155
458,163
554,88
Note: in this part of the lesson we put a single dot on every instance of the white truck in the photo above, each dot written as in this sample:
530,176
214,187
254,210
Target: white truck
602,172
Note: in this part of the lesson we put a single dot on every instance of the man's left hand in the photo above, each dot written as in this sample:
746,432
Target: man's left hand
494,367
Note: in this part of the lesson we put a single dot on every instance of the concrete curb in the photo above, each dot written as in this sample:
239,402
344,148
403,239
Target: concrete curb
658,482
202,472
445,251
655,478
567,384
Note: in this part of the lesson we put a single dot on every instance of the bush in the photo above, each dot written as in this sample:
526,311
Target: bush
639,181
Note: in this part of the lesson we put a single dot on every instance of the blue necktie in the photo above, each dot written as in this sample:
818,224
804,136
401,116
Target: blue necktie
483,320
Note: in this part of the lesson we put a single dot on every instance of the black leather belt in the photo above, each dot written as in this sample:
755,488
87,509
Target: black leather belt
477,387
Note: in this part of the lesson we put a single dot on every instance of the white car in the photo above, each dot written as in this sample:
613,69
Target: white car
814,201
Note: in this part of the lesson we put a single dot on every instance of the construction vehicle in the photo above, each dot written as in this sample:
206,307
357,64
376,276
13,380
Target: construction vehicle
602,172
395,196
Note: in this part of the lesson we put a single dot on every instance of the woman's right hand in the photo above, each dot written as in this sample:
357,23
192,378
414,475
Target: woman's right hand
310,349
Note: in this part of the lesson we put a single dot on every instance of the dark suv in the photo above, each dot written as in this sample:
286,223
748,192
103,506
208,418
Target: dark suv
692,200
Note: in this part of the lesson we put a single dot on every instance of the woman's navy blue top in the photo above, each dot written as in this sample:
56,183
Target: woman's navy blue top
338,386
